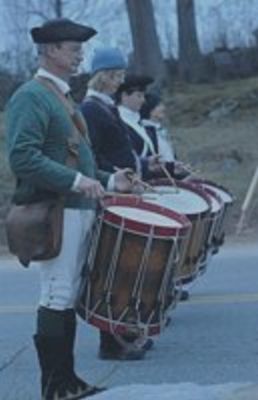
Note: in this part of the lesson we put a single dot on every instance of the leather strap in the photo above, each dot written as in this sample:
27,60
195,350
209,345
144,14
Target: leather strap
79,124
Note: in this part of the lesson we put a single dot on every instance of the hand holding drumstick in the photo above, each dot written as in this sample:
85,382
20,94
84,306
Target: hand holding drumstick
126,180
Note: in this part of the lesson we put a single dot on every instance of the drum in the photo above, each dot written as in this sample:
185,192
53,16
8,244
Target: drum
217,209
194,203
135,250
227,201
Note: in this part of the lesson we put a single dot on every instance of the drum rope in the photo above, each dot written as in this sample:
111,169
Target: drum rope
95,234
138,286
218,223
221,224
113,263
95,240
111,275
168,276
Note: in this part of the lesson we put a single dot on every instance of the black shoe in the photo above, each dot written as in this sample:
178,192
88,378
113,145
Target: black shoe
183,295
122,354
148,345
145,344
168,321
83,387
69,390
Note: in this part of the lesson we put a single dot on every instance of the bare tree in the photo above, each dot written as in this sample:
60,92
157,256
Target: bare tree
147,56
19,16
58,7
190,60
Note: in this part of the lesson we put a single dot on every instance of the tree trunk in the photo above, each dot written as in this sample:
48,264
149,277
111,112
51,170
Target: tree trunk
190,61
58,8
147,57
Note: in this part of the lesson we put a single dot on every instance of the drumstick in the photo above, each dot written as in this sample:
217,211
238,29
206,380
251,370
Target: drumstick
118,194
130,195
168,175
133,177
190,169
166,172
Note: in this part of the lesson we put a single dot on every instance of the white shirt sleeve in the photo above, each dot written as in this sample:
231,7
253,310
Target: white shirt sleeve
111,183
76,182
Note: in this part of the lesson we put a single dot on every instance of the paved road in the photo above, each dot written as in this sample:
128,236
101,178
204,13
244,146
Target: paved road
213,338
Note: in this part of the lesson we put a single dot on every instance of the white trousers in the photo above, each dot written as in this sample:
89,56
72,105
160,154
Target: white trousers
60,277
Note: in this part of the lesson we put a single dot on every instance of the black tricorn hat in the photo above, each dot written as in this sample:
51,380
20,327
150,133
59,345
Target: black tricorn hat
152,100
60,30
135,82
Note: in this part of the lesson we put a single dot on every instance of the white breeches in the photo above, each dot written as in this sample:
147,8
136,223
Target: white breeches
61,276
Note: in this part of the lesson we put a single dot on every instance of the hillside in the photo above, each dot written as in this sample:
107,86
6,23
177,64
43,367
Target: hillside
215,129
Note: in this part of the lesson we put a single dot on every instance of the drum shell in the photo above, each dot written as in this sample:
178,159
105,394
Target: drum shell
188,267
212,228
119,307
219,229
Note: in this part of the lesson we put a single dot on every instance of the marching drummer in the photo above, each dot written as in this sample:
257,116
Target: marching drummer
113,149
148,135
108,133
38,126
144,114
153,118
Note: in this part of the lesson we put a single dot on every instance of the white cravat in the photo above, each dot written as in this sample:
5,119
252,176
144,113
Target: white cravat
165,147
132,119
102,96
60,83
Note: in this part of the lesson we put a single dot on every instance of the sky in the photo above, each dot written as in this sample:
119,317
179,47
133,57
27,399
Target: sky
232,21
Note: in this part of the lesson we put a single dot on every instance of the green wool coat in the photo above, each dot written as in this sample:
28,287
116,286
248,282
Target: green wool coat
37,128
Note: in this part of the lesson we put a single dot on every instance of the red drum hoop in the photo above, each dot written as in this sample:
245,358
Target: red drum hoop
139,227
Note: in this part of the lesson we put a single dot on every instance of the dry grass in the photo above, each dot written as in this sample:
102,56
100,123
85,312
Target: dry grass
225,148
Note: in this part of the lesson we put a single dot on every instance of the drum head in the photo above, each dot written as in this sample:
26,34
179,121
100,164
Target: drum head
187,199
144,218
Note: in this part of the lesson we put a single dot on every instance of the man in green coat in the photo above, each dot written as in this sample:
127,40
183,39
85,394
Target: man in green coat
38,129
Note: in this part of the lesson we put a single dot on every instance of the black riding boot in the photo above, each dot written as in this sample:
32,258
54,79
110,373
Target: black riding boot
55,354
70,333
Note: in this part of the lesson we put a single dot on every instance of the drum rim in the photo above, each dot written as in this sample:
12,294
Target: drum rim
218,199
216,185
142,227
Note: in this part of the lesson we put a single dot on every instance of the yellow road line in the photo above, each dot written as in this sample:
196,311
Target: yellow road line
223,298
194,299
16,309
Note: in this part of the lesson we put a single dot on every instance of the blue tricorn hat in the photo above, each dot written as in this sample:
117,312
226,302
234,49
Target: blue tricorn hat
60,30
106,58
